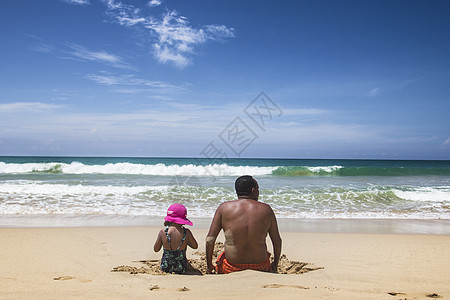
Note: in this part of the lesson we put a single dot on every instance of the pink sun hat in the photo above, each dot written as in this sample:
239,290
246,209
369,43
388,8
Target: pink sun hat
177,213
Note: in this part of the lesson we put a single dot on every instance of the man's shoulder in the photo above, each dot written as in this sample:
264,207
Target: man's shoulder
265,206
261,204
240,203
229,202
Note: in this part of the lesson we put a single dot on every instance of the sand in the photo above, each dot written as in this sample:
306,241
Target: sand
79,263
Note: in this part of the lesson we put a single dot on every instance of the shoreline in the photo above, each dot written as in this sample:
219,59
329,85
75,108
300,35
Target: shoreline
354,226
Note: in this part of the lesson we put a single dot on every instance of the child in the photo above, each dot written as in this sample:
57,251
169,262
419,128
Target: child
174,259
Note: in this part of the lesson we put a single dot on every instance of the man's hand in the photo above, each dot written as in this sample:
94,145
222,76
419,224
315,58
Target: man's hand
210,240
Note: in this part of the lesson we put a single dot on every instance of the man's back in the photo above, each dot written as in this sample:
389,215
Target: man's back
246,224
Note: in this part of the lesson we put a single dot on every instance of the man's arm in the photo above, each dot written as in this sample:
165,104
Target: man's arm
214,229
276,242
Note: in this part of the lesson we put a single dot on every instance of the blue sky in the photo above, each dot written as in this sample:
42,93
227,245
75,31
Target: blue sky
344,79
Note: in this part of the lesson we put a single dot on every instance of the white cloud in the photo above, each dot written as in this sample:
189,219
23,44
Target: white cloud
165,54
154,3
447,141
218,32
112,4
127,21
124,14
174,38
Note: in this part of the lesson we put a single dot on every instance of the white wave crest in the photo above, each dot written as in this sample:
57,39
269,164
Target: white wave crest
428,194
59,190
138,169
328,169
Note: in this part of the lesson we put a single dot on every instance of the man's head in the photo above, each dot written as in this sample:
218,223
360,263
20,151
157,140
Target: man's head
247,186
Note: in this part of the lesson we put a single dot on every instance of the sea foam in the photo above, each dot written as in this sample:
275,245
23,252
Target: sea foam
137,169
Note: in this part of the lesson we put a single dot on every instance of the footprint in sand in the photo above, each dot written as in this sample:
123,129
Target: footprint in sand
395,293
71,277
154,288
63,278
183,289
433,295
8,278
275,286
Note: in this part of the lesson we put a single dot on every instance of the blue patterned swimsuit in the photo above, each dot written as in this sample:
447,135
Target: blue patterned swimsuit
174,261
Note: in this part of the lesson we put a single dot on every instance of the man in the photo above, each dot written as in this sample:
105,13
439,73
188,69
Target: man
245,223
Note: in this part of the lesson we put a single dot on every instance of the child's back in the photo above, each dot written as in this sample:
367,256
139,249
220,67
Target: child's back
174,239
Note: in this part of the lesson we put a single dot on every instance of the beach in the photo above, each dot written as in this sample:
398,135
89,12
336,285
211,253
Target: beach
84,228
77,262
117,114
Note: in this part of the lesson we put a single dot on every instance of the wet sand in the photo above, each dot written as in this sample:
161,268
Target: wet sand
382,226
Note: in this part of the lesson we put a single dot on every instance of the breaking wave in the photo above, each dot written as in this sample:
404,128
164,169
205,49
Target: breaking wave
215,170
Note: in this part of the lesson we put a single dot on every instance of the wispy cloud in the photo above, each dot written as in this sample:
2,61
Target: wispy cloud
322,133
27,107
77,2
374,92
159,97
39,45
305,111
391,87
152,124
79,52
106,78
446,143
101,56
43,48
173,38
193,125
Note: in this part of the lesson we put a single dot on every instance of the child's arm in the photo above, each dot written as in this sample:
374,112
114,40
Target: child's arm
191,240
158,243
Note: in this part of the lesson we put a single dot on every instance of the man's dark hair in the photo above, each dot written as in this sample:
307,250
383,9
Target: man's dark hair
244,185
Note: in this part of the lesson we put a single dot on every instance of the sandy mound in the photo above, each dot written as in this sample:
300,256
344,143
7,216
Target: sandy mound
197,266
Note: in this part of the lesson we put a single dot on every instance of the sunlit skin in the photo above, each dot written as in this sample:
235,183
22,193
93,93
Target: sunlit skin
246,223
176,235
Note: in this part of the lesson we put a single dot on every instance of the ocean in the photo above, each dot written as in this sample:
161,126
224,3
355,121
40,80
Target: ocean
295,188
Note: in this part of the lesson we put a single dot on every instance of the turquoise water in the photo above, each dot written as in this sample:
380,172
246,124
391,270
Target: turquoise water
295,188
